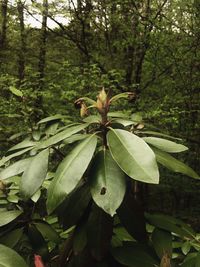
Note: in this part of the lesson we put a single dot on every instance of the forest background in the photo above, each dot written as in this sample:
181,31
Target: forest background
149,47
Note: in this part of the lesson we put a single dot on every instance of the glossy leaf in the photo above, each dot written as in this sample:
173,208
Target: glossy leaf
162,242
34,174
70,171
10,258
134,255
173,164
62,135
75,138
14,169
106,176
8,216
132,218
170,224
165,145
99,232
133,156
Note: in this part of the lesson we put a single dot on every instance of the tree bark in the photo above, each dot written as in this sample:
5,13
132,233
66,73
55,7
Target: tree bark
4,8
22,48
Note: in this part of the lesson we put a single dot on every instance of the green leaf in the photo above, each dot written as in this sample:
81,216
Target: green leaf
72,209
173,164
134,255
70,171
99,232
11,238
34,174
14,169
133,156
47,231
10,258
8,216
118,114
162,242
92,119
186,247
37,241
122,95
165,145
15,91
80,239
52,118
124,122
62,135
75,138
159,134
5,159
23,144
132,218
170,224
106,176
36,196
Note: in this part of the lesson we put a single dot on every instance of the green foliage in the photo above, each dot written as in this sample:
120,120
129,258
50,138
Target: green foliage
70,193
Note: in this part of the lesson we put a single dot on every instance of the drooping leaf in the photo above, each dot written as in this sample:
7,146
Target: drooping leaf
165,145
132,218
173,164
52,129
18,153
47,231
162,242
73,208
14,169
10,258
107,182
52,118
118,114
99,232
70,171
8,216
34,174
134,255
170,224
11,238
159,134
23,144
62,135
133,156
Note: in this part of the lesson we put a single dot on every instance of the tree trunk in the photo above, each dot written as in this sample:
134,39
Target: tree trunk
42,52
4,8
22,48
